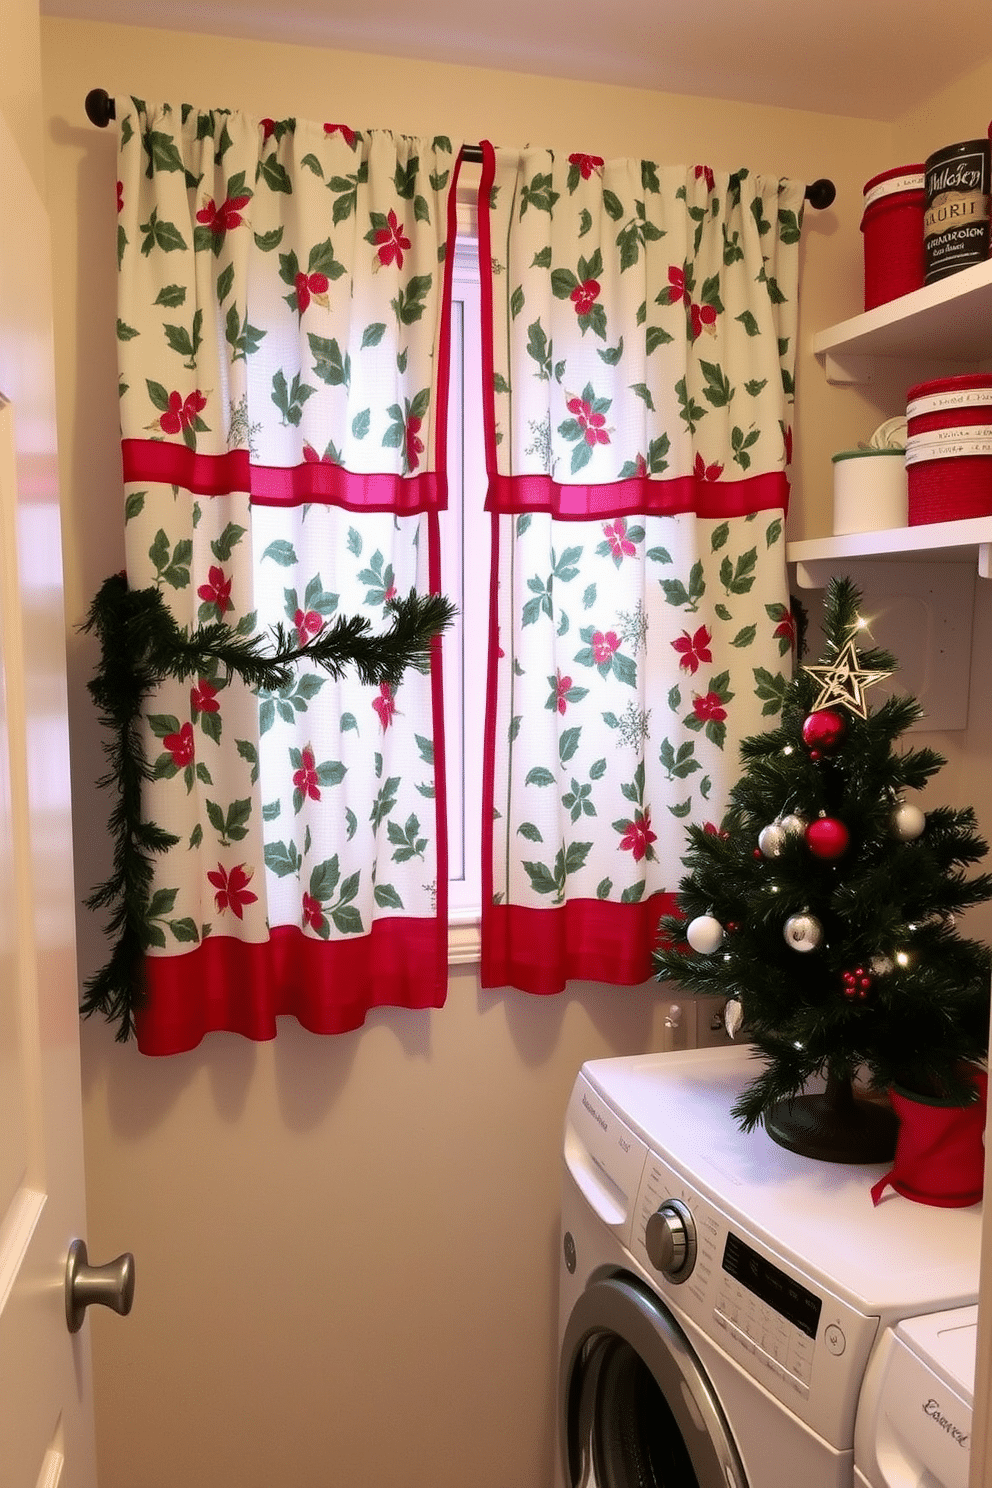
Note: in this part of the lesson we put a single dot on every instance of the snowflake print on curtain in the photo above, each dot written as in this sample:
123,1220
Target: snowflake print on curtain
639,347
282,353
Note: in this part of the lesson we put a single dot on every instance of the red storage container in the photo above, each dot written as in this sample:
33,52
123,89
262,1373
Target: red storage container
949,476
892,225
949,449
949,403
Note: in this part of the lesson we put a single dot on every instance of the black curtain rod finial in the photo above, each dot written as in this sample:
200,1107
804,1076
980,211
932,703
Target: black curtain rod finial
821,193
100,107
100,110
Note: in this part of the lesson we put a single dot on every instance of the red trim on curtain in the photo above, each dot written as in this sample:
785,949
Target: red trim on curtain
489,733
540,950
294,485
443,377
489,741
486,301
440,767
639,497
328,986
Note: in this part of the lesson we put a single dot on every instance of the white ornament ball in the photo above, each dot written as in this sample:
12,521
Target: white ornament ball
803,932
704,934
908,822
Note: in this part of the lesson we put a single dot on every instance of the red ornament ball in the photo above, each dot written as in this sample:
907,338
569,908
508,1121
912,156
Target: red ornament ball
824,730
827,838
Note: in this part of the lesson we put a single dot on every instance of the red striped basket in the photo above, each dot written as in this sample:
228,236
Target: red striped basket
949,449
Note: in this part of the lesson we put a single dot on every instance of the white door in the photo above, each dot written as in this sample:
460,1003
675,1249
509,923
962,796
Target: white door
46,1428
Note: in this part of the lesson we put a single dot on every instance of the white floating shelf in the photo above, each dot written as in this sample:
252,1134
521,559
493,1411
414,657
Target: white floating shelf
951,319
967,541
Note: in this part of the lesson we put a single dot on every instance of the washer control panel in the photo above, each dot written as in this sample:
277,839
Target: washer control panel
768,1311
806,1346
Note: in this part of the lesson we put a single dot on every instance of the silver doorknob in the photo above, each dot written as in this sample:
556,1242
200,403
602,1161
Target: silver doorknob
111,1285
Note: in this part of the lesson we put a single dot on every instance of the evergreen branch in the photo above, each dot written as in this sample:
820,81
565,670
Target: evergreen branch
140,646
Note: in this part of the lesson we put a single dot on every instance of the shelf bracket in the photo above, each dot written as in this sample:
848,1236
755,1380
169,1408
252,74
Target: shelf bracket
814,573
843,369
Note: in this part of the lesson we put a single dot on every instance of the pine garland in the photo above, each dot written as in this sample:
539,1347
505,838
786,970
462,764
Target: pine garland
140,646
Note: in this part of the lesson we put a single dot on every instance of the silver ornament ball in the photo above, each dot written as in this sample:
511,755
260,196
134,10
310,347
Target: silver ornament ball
793,825
803,932
771,840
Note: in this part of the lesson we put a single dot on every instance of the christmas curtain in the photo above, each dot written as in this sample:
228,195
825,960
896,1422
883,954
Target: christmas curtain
639,329
282,355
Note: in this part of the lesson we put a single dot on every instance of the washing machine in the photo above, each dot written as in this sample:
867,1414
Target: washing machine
720,1297
913,1428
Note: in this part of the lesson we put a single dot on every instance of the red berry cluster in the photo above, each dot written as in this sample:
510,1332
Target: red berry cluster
857,984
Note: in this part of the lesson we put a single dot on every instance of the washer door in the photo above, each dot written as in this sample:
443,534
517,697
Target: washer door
636,1407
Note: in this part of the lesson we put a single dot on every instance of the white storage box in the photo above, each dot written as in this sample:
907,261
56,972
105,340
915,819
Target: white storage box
870,490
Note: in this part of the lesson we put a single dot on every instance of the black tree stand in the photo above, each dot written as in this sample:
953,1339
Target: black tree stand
834,1126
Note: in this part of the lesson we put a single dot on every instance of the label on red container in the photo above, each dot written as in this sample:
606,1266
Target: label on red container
894,185
961,431
937,402
934,447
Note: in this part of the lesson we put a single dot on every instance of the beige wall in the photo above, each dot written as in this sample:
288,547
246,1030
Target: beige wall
20,82
347,1248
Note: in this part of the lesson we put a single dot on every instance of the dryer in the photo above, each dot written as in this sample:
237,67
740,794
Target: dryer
720,1297
914,1421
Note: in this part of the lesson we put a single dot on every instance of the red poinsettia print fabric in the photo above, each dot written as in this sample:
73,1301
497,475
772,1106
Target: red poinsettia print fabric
282,353
639,331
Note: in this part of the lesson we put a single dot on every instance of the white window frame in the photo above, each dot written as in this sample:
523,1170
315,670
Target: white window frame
465,570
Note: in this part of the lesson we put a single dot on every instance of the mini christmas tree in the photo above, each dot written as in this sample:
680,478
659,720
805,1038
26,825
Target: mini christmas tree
823,908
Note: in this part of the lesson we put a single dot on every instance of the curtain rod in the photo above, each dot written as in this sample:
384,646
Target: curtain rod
100,109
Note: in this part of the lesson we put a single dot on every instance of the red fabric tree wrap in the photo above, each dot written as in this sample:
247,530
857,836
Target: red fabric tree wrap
940,1151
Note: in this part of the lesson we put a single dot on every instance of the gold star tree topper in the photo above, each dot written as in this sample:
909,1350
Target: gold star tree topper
844,682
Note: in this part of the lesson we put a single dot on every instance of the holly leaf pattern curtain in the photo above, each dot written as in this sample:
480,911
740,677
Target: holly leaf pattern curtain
639,327
282,354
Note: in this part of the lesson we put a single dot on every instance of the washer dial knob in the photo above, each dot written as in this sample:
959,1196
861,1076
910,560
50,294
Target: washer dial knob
670,1240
